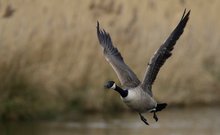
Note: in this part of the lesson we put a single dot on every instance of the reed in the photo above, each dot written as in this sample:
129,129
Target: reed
51,62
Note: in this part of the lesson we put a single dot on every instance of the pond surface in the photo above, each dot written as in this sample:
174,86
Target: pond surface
179,121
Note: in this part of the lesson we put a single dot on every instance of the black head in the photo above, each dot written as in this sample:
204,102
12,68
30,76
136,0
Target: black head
109,84
112,85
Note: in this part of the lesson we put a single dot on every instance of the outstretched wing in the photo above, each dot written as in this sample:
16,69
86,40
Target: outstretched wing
163,53
113,56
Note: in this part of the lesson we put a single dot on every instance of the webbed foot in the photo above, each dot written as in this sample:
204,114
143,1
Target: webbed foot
155,116
143,119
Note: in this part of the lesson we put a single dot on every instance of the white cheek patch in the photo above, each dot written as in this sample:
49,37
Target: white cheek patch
113,86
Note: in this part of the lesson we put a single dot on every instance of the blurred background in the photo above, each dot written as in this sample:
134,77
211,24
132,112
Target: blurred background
52,67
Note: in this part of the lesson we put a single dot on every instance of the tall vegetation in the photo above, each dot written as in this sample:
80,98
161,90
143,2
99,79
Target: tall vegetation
51,62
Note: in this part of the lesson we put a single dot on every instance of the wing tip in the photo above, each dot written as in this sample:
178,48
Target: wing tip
185,15
103,36
100,32
184,19
97,25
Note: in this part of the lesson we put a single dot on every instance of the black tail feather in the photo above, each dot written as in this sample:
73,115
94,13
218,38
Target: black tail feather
161,106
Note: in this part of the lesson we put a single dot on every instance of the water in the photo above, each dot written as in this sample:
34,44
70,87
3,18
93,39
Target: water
193,121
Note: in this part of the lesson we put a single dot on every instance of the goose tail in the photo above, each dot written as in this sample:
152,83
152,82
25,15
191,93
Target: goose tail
161,106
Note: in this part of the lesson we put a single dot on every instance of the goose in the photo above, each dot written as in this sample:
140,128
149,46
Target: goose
136,94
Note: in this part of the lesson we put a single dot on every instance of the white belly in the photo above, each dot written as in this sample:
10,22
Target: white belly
139,100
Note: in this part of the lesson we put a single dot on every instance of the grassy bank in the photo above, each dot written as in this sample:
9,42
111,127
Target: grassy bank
50,60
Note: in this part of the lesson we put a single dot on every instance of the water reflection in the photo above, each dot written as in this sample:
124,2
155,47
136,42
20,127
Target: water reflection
194,121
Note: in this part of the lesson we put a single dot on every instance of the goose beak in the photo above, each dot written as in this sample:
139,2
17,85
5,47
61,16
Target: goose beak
109,85
106,86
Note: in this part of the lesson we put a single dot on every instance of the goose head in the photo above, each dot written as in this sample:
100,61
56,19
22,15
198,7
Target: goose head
112,85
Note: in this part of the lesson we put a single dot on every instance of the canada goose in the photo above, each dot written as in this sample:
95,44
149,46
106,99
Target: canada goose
138,95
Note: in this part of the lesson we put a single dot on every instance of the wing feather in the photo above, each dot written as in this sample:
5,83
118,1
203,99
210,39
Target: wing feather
112,55
163,53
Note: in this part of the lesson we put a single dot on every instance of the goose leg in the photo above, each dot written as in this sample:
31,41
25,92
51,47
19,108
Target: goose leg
143,119
155,116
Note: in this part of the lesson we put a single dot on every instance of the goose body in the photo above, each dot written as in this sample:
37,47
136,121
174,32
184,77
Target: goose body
136,94
139,100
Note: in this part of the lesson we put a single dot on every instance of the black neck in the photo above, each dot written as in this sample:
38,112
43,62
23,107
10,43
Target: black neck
122,92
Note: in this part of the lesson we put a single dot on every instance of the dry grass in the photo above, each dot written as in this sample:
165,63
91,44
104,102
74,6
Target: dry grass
51,61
